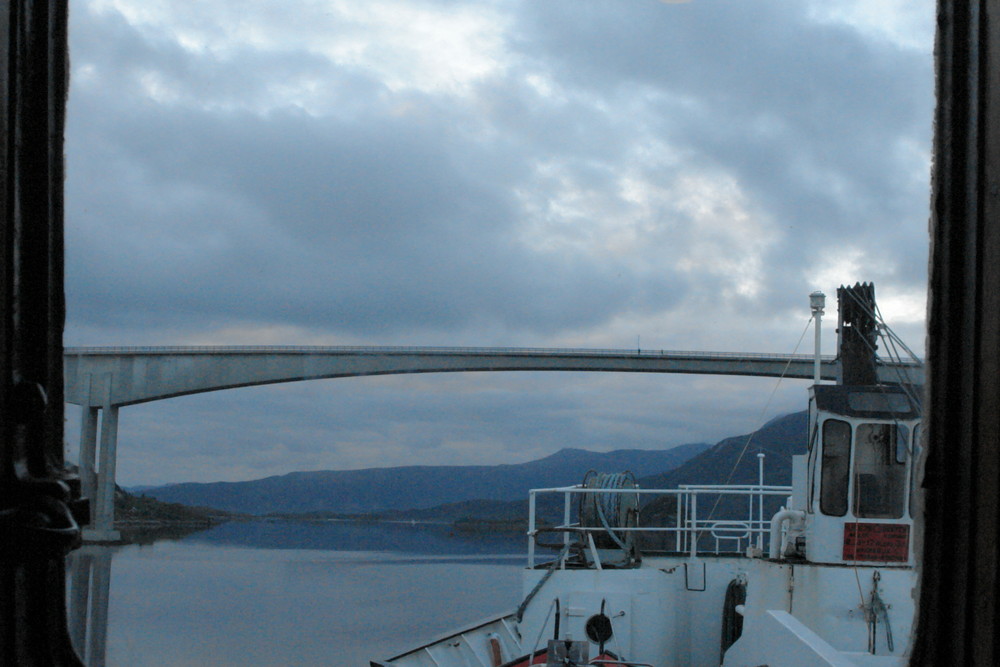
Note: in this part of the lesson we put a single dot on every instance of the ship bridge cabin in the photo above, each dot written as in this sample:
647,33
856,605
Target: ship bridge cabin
856,483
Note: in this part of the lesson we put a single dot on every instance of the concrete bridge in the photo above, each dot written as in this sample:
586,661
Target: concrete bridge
103,379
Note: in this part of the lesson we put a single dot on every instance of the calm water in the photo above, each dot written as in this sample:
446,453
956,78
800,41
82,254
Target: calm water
291,594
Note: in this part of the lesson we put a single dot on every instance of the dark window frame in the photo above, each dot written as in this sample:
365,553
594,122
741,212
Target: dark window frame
960,560
878,477
835,467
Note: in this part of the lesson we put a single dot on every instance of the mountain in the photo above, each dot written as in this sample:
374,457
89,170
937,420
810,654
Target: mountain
143,520
415,487
778,440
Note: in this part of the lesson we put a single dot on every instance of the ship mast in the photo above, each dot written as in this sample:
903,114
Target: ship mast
817,301
858,331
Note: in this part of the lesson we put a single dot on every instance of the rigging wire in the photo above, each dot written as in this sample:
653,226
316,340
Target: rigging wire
890,340
905,383
913,356
760,421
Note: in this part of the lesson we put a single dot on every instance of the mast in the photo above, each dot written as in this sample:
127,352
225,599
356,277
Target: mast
858,331
817,301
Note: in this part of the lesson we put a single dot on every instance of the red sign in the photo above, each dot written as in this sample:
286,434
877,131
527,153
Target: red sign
883,542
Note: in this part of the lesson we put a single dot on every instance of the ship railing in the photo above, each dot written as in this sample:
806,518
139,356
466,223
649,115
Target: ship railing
700,519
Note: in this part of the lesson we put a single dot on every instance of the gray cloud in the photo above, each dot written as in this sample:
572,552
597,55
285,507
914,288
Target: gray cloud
681,173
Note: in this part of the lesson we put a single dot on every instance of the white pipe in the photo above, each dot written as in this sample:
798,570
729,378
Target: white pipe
760,500
692,526
566,517
817,302
531,529
817,373
774,549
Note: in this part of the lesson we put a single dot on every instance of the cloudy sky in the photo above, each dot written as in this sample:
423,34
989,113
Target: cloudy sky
575,173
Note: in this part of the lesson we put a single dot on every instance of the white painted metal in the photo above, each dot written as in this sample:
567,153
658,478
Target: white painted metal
777,524
817,301
799,645
800,610
666,609
760,500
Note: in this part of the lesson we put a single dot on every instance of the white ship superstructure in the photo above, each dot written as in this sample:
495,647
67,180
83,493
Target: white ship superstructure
817,573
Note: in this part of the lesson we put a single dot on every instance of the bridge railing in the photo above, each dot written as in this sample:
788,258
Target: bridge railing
369,349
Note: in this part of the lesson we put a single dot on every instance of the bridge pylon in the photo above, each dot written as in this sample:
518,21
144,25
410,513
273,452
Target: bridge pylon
98,483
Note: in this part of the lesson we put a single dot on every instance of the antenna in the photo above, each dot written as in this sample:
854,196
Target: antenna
817,301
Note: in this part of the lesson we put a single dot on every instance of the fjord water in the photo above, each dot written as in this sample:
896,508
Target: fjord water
289,593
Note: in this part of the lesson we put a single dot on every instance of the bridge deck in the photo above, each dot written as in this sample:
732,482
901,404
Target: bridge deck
101,376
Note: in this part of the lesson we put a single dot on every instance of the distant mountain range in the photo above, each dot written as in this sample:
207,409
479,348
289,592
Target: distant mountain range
734,461
779,440
499,492
378,490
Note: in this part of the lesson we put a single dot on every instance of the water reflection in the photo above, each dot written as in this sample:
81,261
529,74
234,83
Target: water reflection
87,599
396,537
284,593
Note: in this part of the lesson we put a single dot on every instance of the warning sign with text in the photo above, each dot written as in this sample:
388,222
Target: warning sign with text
883,542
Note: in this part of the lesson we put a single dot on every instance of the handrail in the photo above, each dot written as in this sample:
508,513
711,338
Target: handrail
689,528
721,489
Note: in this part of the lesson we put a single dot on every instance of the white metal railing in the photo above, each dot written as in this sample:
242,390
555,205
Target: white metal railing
696,528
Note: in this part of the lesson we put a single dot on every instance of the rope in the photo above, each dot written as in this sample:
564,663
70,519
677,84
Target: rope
877,609
541,582
611,503
614,636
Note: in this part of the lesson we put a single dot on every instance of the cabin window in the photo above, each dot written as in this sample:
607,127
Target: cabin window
879,475
902,443
878,402
913,470
836,466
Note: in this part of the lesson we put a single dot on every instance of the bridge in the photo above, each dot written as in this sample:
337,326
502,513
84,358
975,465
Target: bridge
104,379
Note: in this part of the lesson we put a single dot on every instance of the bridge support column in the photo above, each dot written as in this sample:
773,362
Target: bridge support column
103,525
99,485
88,453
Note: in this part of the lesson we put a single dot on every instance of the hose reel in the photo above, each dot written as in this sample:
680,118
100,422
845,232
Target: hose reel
612,510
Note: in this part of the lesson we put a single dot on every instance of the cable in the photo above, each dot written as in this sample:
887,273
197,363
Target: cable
760,422
890,339
541,631
541,582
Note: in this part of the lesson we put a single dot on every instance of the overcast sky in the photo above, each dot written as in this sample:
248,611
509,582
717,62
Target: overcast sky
484,172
